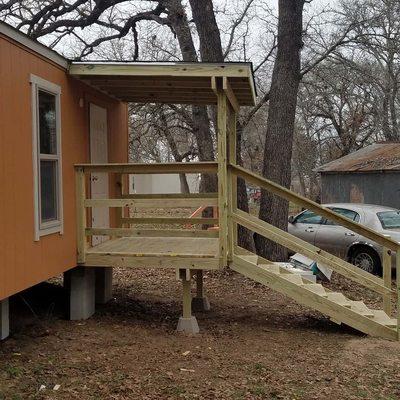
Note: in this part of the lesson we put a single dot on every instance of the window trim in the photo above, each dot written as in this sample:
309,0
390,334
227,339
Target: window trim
57,226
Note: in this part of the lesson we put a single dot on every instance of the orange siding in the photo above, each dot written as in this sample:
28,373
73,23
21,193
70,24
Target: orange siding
24,262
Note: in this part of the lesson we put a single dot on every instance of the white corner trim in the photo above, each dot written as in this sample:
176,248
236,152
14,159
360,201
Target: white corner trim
33,45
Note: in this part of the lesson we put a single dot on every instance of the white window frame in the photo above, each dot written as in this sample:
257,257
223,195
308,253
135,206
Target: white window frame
57,226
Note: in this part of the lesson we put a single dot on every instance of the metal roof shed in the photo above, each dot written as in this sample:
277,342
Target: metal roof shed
370,175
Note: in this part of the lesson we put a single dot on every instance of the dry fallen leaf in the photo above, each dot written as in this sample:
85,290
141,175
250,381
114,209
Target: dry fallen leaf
186,370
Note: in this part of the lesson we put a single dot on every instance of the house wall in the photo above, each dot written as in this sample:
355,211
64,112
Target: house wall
382,188
24,262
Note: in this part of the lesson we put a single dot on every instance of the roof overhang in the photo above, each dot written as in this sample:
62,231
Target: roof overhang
10,32
173,83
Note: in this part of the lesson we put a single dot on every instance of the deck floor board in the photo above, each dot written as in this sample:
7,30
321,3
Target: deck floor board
162,246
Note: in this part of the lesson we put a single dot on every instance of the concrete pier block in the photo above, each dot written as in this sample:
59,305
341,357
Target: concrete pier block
200,304
4,319
80,284
103,284
188,325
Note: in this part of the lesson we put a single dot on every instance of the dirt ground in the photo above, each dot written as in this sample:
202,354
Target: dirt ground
254,344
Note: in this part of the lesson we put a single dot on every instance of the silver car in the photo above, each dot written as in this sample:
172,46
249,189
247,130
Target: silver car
344,243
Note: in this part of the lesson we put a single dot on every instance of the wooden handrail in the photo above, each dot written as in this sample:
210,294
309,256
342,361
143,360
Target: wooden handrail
151,203
312,205
129,232
188,222
152,168
298,245
150,196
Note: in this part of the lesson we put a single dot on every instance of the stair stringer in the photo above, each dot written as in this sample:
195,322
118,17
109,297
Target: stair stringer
335,311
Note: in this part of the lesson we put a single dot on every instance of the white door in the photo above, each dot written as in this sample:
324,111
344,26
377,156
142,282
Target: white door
99,180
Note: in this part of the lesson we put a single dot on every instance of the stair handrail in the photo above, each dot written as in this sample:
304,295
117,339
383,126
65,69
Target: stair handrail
388,244
312,205
293,243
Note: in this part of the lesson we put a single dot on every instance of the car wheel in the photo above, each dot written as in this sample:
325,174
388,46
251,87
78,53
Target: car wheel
367,259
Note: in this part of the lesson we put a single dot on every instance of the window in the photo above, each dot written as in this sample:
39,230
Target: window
350,214
389,219
46,157
308,217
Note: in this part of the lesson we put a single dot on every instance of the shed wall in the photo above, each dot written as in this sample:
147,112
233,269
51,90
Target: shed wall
381,188
24,262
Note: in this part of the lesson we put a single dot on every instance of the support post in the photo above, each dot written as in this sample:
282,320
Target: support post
232,182
4,319
120,212
200,302
103,287
387,279
80,214
398,291
222,170
187,323
80,285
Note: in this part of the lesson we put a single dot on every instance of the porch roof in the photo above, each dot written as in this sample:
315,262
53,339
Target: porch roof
164,82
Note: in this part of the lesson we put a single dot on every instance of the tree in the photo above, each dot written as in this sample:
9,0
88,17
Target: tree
281,118
338,100
377,23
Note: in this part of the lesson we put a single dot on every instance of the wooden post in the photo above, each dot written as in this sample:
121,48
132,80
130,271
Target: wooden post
387,279
80,214
187,299
222,171
199,283
232,183
398,291
120,192
187,323
200,302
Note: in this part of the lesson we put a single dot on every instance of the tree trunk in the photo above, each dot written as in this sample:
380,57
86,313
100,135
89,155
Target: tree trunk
184,184
207,28
202,128
280,125
245,237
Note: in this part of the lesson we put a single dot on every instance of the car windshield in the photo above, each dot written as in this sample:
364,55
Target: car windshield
389,219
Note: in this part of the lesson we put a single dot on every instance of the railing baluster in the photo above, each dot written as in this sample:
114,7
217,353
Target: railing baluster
387,279
398,291
80,214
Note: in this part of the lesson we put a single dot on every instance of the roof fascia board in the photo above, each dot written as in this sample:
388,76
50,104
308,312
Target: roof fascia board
162,69
33,45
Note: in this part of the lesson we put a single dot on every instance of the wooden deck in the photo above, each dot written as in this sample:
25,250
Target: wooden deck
156,252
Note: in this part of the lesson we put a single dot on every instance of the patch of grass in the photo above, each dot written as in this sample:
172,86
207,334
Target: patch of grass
13,371
299,393
174,390
259,367
362,394
257,390
239,394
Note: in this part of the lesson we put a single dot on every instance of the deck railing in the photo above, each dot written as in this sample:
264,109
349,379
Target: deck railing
128,225
229,218
382,286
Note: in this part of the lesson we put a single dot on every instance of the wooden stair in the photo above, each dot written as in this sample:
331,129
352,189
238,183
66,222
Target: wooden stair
333,304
